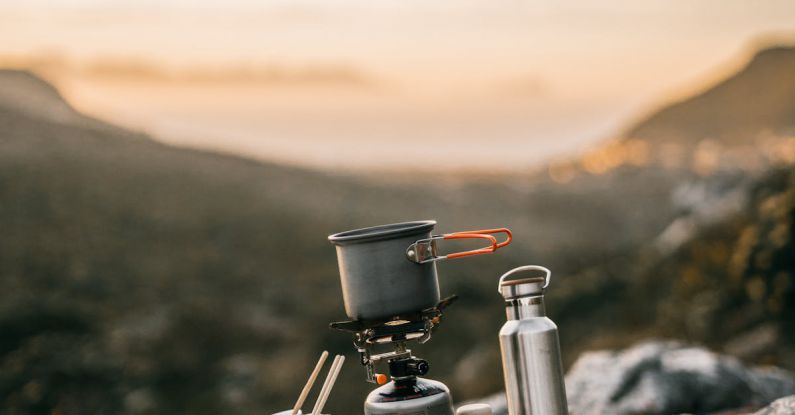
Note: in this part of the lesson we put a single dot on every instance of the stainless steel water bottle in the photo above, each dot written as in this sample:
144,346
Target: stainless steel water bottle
531,363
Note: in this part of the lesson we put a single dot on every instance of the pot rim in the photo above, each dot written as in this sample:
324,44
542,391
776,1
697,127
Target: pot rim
381,232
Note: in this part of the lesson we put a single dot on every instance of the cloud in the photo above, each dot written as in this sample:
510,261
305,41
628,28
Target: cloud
529,86
136,69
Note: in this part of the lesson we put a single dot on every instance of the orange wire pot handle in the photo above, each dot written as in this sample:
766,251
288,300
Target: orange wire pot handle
424,250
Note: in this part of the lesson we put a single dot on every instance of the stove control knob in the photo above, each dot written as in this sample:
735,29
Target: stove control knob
417,367
380,378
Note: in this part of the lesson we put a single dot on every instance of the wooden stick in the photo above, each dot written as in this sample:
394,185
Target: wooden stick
309,383
326,383
335,372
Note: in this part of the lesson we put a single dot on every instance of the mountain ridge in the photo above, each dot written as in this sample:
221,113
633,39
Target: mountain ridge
26,92
735,110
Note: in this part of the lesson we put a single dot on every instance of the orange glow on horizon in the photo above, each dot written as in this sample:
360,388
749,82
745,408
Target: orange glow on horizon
526,81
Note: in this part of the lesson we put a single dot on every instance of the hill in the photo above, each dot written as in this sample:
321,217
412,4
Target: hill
30,94
756,100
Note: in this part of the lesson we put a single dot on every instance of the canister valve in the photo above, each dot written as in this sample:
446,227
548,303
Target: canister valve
402,368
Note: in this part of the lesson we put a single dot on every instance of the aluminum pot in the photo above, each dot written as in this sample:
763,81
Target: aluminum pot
390,270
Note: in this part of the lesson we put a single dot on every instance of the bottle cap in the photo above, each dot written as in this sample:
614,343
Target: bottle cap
533,285
475,409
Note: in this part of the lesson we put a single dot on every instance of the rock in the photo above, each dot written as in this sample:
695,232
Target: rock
666,378
669,377
783,406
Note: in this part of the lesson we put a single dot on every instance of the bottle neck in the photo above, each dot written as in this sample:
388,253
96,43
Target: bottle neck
525,307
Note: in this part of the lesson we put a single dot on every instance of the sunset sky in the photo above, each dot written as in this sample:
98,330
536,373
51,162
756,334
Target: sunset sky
543,78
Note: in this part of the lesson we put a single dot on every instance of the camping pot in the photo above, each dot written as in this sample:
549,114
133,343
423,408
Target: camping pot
390,270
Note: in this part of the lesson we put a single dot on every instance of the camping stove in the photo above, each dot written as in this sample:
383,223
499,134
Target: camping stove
407,392
395,331
390,289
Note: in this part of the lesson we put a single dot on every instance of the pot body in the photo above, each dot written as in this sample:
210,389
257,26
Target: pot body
378,280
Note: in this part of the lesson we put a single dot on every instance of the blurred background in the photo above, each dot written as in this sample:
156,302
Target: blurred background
169,172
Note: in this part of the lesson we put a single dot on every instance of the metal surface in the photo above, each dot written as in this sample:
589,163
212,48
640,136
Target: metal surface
396,330
425,250
433,314
505,282
377,279
390,269
424,397
532,367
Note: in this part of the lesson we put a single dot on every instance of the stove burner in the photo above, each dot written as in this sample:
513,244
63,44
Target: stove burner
396,330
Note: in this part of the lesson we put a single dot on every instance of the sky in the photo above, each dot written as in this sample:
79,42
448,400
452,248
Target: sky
512,81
